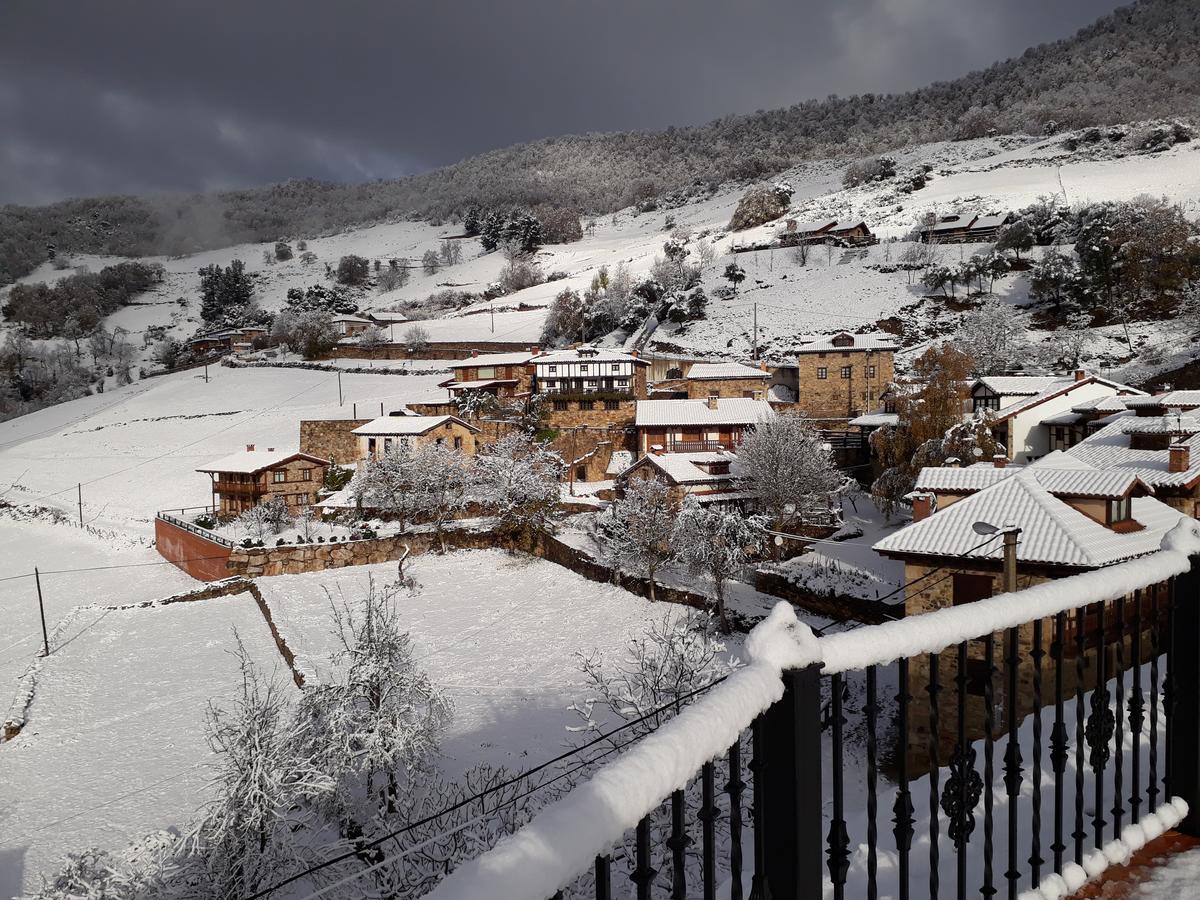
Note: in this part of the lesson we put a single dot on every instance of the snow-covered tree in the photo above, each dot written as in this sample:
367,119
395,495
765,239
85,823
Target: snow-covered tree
994,334
639,533
262,823
735,275
1067,344
265,519
1016,238
384,483
431,262
439,481
662,666
416,339
788,466
517,482
715,544
375,727
1052,277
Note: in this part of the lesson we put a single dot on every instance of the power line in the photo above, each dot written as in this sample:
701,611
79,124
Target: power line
511,781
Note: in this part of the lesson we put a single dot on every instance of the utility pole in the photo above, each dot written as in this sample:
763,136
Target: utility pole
42,609
755,353
492,310
79,488
339,387
1010,558
206,373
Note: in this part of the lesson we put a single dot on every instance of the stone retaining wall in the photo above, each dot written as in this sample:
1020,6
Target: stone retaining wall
869,612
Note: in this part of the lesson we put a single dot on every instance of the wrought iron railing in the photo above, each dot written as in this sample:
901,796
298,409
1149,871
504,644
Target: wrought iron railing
1034,727
195,529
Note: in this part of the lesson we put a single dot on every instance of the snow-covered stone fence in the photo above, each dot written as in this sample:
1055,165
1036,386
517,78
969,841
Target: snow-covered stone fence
1110,655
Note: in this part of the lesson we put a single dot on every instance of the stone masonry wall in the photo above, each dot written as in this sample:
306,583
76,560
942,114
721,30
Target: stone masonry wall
331,439
838,397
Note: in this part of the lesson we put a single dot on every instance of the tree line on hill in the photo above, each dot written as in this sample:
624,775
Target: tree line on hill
1097,76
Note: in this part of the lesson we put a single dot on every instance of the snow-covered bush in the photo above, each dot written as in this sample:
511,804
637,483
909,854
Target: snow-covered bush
877,168
639,526
265,519
517,482
995,335
788,466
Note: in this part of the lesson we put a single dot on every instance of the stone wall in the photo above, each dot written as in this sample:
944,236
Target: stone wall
435,350
869,612
331,439
702,389
838,397
598,416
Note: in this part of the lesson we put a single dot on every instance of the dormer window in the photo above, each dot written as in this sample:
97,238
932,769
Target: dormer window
1119,511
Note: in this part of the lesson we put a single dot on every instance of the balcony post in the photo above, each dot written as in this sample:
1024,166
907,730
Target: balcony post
1183,698
791,790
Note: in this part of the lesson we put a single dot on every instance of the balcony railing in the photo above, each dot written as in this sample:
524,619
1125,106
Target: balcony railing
700,446
960,749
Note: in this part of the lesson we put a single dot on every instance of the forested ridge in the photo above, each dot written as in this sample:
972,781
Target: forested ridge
1142,61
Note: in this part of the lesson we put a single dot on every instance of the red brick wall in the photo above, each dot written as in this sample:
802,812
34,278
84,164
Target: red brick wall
200,558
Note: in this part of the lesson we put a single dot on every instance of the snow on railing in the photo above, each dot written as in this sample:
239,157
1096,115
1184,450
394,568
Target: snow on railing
562,840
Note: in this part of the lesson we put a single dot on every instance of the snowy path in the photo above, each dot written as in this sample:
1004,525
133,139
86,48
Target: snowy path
114,746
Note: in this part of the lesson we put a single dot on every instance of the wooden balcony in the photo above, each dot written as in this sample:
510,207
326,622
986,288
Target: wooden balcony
699,446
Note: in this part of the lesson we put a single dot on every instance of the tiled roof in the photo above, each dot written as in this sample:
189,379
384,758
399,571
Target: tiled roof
1182,425
875,419
685,468
1053,532
1102,405
247,462
1099,483
619,462
587,355
961,220
349,318
1077,480
993,221
1109,448
1018,385
406,425
817,225
1182,399
729,411
953,480
861,342
1062,418
1059,388
706,371
492,359
847,224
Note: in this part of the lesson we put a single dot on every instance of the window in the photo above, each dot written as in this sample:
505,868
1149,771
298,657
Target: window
583,367
580,473
623,382
845,354
870,371
458,443
586,405
370,446
553,370
280,476
1119,510
560,405
822,372
611,405
306,475
485,373
845,371
969,588
440,442
616,367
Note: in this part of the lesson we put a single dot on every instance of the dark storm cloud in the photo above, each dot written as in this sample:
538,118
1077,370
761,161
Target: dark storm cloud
127,96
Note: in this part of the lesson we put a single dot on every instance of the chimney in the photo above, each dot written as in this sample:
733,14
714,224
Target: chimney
1180,459
249,448
712,401
922,507
762,364
535,350
474,353
657,449
999,460
270,449
1080,374
954,462
633,353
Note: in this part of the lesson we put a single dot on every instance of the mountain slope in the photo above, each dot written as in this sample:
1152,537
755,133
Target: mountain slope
1143,61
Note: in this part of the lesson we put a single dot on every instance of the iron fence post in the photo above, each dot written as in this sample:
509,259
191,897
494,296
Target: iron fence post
791,802
1184,668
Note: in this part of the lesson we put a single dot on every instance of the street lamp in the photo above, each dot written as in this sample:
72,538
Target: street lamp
1010,533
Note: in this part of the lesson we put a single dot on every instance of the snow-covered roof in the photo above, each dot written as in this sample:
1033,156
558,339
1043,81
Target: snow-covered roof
1181,425
1060,388
875,419
993,221
493,359
1073,479
406,425
781,393
1181,399
1063,418
688,468
1017,385
586,355
247,462
861,342
729,411
619,462
355,320
952,222
1102,405
706,371
1052,531
385,315
1109,448
478,385
815,226
953,480
848,224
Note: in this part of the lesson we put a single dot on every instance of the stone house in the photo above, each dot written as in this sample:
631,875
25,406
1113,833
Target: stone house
845,375
712,477
246,479
380,435
503,375
590,386
1071,521
694,426
349,326
729,379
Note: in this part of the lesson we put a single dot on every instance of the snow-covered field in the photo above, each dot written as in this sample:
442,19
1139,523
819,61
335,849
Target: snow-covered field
498,633
114,745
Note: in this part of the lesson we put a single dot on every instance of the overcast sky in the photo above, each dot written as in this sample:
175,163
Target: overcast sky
126,96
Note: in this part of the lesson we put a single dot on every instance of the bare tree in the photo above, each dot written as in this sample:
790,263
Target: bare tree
641,525
715,544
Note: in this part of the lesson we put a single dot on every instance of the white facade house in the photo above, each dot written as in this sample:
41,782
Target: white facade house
1022,426
587,370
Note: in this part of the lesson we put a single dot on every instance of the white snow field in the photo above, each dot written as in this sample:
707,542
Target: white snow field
498,633
114,744
135,449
